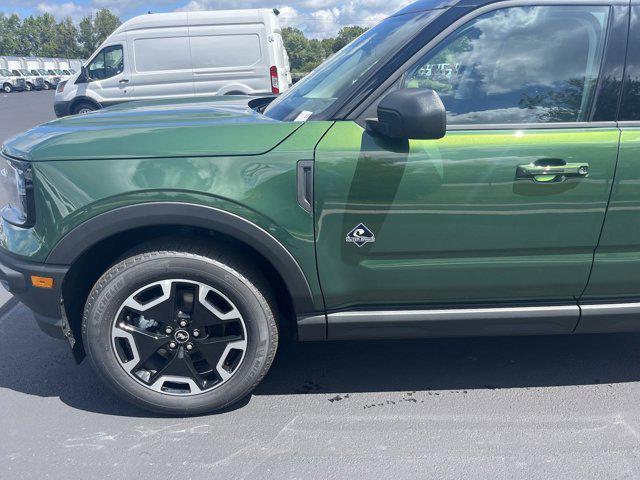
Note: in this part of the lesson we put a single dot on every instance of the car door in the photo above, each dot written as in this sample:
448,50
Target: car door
610,301
468,220
108,80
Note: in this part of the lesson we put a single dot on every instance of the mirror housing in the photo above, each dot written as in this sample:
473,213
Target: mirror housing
410,113
84,75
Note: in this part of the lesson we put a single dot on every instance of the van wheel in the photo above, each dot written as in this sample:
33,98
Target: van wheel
47,85
83,107
28,87
181,331
7,88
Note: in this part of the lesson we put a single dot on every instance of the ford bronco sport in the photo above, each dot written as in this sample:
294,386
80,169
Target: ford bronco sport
176,244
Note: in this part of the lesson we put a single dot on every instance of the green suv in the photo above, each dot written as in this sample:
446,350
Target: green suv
463,168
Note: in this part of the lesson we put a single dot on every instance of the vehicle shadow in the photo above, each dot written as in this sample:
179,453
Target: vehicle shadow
37,365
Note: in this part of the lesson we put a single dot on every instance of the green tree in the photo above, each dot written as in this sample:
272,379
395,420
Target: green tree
47,32
67,39
346,35
104,24
295,43
86,36
10,28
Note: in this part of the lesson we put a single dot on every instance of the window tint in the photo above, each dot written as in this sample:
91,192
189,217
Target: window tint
108,63
161,54
215,51
518,65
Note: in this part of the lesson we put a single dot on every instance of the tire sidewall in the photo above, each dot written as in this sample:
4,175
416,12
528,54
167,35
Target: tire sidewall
7,88
111,291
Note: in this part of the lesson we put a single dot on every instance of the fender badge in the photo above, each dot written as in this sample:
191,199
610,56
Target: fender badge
360,235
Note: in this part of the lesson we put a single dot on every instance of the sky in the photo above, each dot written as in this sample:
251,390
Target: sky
316,18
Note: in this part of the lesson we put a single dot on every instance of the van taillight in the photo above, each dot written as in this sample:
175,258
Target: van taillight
275,84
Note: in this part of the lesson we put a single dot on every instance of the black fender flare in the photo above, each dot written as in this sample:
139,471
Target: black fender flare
121,219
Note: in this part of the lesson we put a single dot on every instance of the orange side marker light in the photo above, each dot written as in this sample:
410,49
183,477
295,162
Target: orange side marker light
41,282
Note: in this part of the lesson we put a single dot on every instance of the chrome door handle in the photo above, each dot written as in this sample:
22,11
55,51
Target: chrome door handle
124,80
543,173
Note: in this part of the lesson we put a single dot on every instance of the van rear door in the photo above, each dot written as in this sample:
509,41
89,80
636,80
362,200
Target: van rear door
229,59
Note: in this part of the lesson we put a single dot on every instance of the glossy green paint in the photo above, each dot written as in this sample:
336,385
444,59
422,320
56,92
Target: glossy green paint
259,188
451,221
616,268
188,128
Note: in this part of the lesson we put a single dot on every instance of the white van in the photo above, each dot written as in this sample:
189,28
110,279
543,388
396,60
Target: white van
35,66
182,54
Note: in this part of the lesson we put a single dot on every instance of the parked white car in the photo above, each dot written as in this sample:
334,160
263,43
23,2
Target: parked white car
182,54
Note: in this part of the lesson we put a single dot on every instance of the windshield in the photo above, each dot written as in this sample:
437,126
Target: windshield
66,72
321,88
4,72
24,72
42,72
58,72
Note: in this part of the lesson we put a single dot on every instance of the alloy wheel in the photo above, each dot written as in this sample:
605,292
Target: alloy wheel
179,337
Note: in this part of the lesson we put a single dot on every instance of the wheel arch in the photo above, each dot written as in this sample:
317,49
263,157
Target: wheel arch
83,244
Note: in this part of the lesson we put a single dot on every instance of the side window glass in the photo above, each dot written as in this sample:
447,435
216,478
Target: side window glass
518,65
108,63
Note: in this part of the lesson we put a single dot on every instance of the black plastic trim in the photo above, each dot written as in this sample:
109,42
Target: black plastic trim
305,185
15,276
150,214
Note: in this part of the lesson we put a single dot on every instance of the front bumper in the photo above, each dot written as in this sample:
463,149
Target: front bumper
15,276
62,109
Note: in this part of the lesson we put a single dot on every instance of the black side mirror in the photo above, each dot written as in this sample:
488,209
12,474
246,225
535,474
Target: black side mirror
410,113
84,75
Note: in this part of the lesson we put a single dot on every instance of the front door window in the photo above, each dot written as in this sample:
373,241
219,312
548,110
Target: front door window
518,65
106,64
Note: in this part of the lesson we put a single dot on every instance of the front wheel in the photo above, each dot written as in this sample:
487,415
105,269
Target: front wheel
28,87
83,107
181,332
47,85
7,88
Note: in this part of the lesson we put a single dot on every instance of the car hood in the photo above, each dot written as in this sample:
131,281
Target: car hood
185,128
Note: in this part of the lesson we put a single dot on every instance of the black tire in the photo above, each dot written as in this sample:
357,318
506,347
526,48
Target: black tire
46,86
7,88
83,107
243,285
28,87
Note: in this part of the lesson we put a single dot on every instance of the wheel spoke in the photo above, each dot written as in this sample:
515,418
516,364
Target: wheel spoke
162,308
207,313
145,343
215,351
179,366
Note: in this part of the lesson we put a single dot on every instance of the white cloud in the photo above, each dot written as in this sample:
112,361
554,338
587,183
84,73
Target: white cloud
59,11
316,18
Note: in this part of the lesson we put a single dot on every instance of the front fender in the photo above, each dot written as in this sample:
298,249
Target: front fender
125,218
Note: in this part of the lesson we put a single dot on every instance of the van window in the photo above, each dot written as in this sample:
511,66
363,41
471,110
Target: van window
214,51
106,64
160,54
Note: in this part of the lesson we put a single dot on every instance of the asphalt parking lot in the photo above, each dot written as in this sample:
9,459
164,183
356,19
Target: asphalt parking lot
527,407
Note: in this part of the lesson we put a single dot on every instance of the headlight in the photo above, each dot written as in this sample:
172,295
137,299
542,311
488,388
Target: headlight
61,85
16,192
